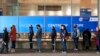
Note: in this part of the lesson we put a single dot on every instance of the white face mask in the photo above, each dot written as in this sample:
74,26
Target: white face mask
62,27
96,28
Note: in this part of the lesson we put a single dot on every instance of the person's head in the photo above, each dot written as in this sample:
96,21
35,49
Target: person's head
30,26
5,28
63,27
74,26
13,26
10,27
99,30
38,26
53,28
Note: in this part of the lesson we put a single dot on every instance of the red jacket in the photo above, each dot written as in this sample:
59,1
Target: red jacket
13,34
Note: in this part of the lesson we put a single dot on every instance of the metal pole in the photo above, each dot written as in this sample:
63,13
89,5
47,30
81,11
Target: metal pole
98,13
71,18
44,18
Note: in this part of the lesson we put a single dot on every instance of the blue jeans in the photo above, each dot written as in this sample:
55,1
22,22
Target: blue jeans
39,43
75,41
64,45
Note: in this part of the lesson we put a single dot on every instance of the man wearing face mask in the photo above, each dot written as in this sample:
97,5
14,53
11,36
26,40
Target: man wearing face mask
75,37
63,35
5,41
53,38
39,36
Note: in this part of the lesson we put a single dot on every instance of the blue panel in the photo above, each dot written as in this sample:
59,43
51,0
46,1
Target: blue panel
85,24
26,21
22,24
57,21
8,21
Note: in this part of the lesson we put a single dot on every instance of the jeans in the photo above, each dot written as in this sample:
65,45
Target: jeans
13,44
39,43
75,41
64,45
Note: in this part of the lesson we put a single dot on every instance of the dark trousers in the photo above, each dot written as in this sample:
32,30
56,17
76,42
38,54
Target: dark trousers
64,45
31,43
75,41
99,46
4,47
53,43
13,44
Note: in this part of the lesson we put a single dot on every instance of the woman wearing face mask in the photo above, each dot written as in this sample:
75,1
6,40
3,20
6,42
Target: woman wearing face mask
39,37
63,35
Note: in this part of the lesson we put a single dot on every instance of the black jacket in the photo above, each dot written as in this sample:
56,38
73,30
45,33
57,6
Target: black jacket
63,33
53,34
5,36
31,32
87,37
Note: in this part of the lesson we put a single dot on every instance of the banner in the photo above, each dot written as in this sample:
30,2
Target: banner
22,23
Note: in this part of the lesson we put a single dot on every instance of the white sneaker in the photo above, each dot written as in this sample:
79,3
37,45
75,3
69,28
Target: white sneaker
63,52
75,49
97,52
39,51
13,50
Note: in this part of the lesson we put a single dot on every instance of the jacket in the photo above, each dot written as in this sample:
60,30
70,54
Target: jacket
39,33
13,34
5,36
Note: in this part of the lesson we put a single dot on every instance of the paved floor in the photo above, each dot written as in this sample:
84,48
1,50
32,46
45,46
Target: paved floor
27,52
51,54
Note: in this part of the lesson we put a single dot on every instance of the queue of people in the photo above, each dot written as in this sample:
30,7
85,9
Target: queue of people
63,34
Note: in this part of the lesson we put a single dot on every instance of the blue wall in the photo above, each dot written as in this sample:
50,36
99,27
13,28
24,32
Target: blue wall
22,22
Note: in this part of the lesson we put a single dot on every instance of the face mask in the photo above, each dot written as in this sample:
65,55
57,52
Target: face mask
96,29
62,27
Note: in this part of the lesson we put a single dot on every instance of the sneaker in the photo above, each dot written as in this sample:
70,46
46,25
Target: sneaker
39,51
75,49
13,50
53,51
97,52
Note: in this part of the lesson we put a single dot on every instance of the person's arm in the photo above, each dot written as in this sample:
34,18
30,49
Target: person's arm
38,33
78,33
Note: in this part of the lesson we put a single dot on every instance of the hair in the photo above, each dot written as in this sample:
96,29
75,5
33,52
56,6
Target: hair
38,25
30,26
53,28
64,27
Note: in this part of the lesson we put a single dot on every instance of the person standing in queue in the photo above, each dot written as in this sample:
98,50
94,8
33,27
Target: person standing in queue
86,39
39,36
31,34
98,40
63,35
5,41
75,37
53,38
13,38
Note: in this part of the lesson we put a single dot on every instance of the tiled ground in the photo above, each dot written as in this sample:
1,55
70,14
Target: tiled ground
51,54
28,52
